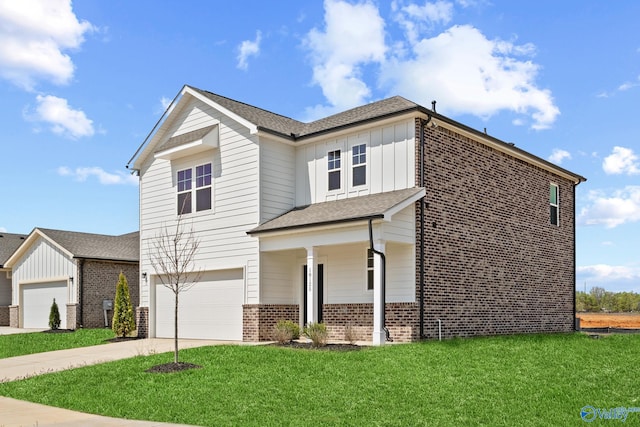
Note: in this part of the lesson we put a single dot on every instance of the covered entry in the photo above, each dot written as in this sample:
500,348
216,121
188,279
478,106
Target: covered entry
36,303
210,309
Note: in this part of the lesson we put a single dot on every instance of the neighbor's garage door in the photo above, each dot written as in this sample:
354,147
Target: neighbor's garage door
36,304
211,309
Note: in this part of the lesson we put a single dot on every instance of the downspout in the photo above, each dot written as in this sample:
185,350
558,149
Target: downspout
575,326
423,205
382,282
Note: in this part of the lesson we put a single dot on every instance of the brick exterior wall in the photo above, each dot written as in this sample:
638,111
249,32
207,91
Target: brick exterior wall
4,315
401,320
142,321
99,280
493,262
258,320
14,316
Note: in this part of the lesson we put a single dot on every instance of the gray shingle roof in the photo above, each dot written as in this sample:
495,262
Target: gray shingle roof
9,242
97,246
345,210
287,126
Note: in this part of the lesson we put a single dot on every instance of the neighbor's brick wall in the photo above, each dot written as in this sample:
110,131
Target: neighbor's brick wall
99,280
4,315
494,263
142,321
14,316
258,320
401,319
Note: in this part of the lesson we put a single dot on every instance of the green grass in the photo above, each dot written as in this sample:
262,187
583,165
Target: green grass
539,380
38,342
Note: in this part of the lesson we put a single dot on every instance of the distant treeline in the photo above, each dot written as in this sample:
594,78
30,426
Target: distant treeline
597,299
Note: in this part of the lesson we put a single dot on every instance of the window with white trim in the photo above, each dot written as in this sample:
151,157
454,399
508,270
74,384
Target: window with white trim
184,191
334,168
369,270
202,189
554,205
359,163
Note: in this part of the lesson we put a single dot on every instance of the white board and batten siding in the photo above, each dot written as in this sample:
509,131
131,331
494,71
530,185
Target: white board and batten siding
41,274
390,163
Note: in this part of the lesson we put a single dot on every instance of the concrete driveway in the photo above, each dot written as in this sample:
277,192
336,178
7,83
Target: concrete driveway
5,330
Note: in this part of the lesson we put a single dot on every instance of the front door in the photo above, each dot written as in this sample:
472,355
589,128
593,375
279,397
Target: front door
320,292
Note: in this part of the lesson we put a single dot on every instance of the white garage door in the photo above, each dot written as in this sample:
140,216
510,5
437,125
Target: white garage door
211,309
36,304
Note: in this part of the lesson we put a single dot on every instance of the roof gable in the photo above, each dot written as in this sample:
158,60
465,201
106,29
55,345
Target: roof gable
9,243
125,247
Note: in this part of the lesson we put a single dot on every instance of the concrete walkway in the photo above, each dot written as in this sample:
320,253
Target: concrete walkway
18,413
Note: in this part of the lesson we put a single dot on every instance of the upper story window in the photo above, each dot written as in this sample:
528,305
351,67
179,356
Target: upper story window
202,189
554,205
334,167
359,162
184,191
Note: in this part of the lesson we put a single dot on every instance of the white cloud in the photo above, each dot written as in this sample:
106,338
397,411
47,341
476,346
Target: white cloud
35,35
353,36
612,210
106,178
63,119
165,102
558,155
461,67
601,272
621,161
247,49
3,230
469,73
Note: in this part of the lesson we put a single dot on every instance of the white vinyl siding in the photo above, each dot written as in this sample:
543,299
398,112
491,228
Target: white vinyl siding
277,282
390,163
277,178
222,229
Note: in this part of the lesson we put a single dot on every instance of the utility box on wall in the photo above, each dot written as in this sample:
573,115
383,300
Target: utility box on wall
107,304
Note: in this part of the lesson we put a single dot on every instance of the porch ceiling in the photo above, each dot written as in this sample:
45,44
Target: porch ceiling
344,211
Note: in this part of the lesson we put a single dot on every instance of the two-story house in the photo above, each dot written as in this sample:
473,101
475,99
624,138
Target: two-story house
387,218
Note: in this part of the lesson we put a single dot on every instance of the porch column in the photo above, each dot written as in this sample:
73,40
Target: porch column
379,336
312,285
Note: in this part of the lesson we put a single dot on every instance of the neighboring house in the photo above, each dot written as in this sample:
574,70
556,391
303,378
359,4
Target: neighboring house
8,244
79,270
471,235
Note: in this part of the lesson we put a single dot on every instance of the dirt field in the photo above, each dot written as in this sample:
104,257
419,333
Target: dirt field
613,320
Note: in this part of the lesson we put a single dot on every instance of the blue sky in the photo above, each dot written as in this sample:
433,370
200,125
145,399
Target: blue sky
82,84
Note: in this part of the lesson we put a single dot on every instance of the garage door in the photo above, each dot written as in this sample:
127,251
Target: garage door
36,304
211,309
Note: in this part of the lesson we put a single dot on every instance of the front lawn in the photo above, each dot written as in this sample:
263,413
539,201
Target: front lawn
496,381
38,342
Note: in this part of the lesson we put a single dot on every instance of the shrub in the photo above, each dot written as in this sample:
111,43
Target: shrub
349,334
123,320
54,316
317,333
285,331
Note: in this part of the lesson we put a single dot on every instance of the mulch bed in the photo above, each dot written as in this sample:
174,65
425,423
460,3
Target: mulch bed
122,339
328,347
58,331
168,368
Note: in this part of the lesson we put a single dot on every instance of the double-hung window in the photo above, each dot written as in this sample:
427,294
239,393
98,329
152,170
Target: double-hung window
554,205
369,269
202,189
359,162
184,191
334,167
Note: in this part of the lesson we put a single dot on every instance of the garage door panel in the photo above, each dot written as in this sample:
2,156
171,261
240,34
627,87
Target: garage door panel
210,309
36,304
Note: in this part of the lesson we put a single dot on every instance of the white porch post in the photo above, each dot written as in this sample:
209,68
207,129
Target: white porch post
312,285
379,336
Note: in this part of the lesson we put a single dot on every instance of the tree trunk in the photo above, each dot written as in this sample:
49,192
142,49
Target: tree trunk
175,331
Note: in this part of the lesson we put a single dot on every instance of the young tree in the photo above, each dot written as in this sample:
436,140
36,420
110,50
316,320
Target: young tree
123,319
54,316
172,256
